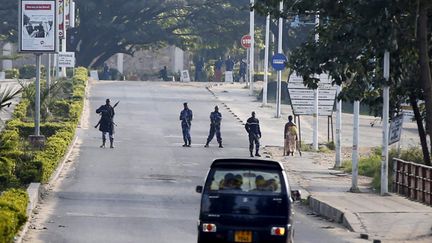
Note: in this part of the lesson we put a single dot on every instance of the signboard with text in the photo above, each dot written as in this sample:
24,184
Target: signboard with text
66,59
395,130
37,31
279,61
302,98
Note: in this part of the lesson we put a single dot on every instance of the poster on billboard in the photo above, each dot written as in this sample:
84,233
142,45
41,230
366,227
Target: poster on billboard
63,13
37,26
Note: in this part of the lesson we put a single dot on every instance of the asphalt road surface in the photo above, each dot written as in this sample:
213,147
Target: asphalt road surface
144,189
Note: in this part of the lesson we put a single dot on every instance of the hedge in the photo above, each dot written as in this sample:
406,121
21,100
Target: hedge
13,206
12,73
20,166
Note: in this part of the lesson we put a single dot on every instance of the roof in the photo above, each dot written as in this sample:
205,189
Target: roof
242,162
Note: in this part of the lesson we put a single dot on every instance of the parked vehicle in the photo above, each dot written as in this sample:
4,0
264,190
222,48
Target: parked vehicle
246,200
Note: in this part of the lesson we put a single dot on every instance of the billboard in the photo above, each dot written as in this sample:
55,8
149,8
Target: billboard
37,26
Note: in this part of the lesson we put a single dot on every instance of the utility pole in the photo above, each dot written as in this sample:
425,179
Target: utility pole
63,40
316,100
279,73
266,59
252,48
338,129
385,131
37,98
355,153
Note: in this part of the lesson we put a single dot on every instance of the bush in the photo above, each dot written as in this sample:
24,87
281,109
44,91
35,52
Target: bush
29,71
26,129
54,150
60,108
12,73
371,165
13,206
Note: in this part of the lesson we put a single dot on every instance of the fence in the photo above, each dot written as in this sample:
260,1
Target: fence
413,181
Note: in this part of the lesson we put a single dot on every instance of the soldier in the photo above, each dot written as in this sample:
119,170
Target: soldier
253,128
106,122
186,123
215,123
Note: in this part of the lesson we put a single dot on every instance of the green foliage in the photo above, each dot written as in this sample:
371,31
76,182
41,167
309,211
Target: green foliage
370,165
53,151
20,166
13,206
12,73
29,71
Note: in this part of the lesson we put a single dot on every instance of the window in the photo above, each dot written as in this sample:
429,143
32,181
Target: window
242,180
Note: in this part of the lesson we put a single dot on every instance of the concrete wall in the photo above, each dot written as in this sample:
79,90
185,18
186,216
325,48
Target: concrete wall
146,64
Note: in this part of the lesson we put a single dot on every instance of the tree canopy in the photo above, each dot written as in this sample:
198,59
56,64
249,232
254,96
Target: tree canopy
353,36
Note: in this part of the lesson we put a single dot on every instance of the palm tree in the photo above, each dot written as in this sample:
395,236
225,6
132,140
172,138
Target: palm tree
7,95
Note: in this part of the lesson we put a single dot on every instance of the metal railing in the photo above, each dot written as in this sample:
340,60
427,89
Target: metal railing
413,181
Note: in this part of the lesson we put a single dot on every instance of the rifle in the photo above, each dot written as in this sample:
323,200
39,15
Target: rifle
101,119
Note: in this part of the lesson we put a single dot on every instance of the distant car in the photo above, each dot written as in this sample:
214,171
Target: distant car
246,200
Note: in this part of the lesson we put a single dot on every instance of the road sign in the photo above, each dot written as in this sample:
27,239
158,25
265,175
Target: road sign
302,98
278,61
66,59
395,129
246,41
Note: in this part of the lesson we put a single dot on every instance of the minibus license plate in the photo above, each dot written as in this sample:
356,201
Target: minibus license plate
243,236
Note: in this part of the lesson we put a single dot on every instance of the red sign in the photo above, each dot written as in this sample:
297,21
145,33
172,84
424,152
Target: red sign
37,7
246,41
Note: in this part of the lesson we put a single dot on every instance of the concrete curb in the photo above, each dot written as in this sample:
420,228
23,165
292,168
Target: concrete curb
327,211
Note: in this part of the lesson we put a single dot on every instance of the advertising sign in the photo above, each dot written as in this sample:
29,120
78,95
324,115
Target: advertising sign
63,11
66,59
302,98
185,76
37,26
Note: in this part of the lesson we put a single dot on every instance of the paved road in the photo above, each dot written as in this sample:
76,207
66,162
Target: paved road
143,190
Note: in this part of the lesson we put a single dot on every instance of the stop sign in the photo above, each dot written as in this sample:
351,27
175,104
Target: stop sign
246,41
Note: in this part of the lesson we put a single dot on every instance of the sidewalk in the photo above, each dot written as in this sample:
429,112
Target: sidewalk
389,219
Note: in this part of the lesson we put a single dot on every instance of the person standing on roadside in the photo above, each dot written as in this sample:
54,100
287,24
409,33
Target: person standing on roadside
215,125
106,123
218,70
186,117
242,70
253,128
290,136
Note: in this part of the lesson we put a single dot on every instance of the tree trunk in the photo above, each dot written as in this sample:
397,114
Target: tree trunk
421,130
425,72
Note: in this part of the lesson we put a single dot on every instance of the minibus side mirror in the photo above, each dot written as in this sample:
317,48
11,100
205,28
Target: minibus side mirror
199,189
296,195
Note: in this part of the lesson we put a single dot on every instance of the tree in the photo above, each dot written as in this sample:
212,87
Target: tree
8,20
352,38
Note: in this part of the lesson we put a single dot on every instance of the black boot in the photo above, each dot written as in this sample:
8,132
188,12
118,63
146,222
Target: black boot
220,145
206,145
251,154
111,142
103,143
257,154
